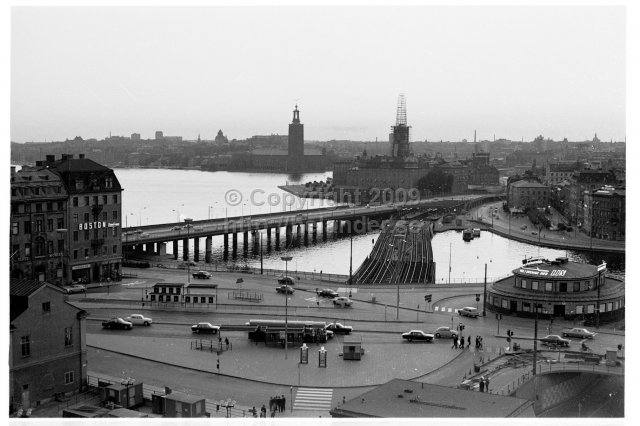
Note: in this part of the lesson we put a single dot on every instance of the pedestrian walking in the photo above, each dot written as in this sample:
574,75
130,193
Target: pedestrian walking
462,343
271,404
284,403
481,385
254,411
455,343
480,342
469,341
226,342
477,342
263,411
486,384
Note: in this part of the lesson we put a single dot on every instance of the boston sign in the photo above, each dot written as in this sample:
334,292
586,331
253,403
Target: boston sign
95,225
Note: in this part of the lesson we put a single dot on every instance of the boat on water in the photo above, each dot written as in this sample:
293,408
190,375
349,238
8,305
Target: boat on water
476,232
467,234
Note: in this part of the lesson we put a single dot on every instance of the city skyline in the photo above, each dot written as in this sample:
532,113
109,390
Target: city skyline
344,67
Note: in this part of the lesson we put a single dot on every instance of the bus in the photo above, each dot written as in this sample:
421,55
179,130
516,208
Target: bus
273,331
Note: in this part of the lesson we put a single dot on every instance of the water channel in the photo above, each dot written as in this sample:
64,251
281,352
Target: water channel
154,196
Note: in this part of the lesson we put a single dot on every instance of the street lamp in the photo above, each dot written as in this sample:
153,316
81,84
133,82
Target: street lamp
188,221
286,304
593,203
228,404
397,277
484,300
350,259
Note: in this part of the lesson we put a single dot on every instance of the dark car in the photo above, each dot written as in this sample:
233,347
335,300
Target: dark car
286,280
202,274
117,323
417,335
555,340
338,328
205,327
286,289
327,292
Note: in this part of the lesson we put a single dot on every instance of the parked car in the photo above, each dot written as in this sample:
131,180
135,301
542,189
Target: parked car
418,335
138,319
338,328
523,227
117,323
327,292
581,333
470,384
202,274
286,280
205,327
554,339
468,311
342,301
445,332
285,289
76,288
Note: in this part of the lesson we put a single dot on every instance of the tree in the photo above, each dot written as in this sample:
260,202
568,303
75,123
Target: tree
436,181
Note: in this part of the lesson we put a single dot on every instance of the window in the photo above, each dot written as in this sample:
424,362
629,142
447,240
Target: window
108,183
609,306
86,201
187,299
14,228
49,206
164,289
576,286
115,199
86,253
176,298
75,254
68,336
60,203
27,208
75,235
153,297
534,285
25,345
39,225
38,207
523,283
177,290
95,200
27,250
203,299
548,287
60,246
27,226
526,306
86,217
114,232
46,307
60,223
115,214
79,184
68,377
86,235
75,218
115,249
104,199
49,225
170,290
505,303
75,201
590,309
104,232
49,247
210,299
39,248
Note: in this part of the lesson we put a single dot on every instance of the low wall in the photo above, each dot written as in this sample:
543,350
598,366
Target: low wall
554,389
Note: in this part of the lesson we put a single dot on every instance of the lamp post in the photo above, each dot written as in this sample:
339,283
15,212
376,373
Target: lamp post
260,253
397,277
188,221
63,233
228,404
286,304
484,299
350,259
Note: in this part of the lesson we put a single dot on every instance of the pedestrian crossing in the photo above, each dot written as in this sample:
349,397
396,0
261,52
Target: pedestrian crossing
313,399
445,309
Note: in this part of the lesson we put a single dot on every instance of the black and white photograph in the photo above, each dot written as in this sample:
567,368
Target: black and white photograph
315,213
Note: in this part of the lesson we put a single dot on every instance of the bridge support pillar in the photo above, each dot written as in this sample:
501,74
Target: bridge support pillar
225,253
185,249
162,249
256,241
288,236
148,248
196,249
235,244
207,248
175,249
324,230
336,227
268,237
277,237
306,234
245,242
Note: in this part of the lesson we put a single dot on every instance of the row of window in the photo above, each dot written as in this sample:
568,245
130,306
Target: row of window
35,190
555,287
49,206
96,251
164,290
187,299
41,247
105,216
25,341
38,226
579,309
94,200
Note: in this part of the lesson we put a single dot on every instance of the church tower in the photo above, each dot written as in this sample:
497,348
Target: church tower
296,137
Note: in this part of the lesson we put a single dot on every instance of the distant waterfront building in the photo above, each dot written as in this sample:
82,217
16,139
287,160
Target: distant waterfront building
47,345
135,136
220,138
296,159
564,289
159,135
527,193
605,213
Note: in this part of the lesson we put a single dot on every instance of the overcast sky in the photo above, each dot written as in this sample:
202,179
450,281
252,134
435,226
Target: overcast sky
510,71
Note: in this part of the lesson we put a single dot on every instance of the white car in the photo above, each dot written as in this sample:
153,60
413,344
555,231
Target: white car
76,288
468,311
342,301
138,319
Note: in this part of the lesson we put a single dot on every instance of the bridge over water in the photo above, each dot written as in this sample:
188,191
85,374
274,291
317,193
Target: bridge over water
152,239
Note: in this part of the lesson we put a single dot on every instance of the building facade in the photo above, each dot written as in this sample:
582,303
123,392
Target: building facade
605,213
38,225
93,215
47,346
562,288
527,193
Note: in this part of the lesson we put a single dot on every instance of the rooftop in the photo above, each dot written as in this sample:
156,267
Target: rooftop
405,398
557,269
528,184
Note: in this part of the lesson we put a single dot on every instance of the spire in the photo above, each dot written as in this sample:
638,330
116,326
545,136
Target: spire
296,115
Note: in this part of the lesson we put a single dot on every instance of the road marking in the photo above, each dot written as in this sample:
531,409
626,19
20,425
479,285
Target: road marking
313,399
